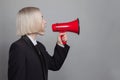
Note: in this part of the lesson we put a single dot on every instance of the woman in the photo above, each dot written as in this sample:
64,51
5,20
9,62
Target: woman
28,58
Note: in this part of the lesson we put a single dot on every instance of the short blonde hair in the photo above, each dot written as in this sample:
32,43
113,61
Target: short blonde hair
29,21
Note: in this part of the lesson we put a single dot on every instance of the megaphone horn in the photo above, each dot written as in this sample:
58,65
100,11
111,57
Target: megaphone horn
72,26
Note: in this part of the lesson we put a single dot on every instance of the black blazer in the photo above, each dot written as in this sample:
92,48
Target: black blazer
26,62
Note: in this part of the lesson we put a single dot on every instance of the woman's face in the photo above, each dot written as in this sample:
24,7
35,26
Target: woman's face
43,25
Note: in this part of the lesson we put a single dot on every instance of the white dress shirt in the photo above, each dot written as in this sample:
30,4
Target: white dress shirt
33,41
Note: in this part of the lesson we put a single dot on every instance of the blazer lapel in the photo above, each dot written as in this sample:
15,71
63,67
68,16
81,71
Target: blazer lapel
43,61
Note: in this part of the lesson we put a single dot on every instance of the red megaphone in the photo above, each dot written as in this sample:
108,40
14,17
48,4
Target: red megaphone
72,26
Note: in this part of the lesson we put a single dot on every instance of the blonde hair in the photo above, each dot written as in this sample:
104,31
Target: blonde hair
29,21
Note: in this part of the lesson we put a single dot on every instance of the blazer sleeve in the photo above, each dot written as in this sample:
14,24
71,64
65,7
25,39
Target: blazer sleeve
16,64
56,61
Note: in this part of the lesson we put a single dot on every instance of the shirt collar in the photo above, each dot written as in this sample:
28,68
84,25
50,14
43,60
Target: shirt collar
32,40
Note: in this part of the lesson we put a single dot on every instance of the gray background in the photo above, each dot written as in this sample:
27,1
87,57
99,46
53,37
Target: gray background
94,54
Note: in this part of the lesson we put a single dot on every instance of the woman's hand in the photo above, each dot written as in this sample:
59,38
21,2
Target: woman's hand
62,38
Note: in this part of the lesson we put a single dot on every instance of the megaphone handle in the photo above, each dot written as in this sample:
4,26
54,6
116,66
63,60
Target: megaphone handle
64,42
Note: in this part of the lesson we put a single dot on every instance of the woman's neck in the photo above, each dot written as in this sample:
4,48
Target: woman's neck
33,36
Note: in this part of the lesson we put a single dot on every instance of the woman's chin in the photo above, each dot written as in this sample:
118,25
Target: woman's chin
42,33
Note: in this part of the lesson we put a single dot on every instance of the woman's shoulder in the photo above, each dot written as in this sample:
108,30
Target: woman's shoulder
17,49
18,44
